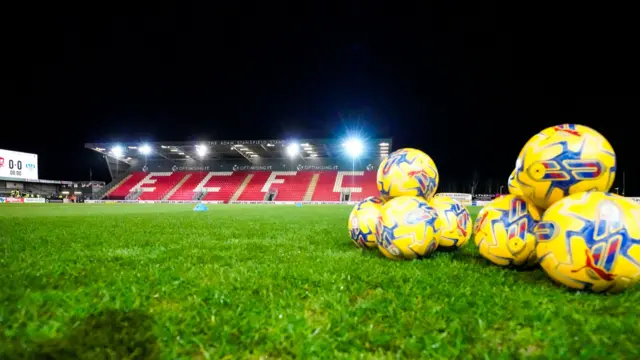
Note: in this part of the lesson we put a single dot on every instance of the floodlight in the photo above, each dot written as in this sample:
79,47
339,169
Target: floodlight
145,149
292,149
117,151
201,150
354,147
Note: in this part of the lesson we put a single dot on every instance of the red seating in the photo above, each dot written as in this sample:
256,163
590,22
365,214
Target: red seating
157,184
331,183
120,192
253,191
188,190
324,187
362,184
221,186
290,185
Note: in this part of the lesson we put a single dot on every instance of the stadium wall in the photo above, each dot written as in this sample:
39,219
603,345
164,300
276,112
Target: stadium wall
465,199
36,188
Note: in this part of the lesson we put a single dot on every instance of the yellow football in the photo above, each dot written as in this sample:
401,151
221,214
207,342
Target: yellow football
504,231
363,220
407,172
512,184
564,160
591,241
455,230
407,228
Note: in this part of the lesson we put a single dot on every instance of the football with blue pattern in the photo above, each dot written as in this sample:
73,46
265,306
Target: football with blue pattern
564,160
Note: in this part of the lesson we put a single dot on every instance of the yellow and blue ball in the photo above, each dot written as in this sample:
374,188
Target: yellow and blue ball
564,160
363,221
407,228
591,241
407,172
456,227
512,184
504,231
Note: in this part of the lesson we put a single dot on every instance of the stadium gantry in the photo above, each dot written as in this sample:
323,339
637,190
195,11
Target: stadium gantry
243,170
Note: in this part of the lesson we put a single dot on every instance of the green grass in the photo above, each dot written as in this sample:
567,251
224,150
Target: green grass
278,282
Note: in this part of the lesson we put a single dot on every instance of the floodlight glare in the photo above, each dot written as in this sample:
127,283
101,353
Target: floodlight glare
292,149
145,149
354,147
201,150
117,151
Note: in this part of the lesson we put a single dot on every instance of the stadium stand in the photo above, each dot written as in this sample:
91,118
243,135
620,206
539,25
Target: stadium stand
121,191
188,189
246,170
289,185
221,186
331,184
156,184
254,189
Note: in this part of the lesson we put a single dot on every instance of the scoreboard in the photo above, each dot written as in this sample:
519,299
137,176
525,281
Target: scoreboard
18,165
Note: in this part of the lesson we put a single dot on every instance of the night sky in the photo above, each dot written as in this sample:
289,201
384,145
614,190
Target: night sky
468,85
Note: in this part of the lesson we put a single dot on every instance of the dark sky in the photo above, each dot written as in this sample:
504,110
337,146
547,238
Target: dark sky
468,85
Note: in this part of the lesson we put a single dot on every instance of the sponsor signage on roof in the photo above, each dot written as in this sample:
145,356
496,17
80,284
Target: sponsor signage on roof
302,167
186,168
245,142
251,167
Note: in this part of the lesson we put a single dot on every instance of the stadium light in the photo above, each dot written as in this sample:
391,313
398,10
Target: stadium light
354,147
201,150
145,149
117,151
292,149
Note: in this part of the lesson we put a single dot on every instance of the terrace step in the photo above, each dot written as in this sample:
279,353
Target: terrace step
175,188
312,187
244,184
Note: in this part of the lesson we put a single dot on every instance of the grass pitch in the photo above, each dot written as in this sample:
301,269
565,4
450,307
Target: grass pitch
160,281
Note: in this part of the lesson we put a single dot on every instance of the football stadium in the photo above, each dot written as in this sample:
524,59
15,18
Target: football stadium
281,249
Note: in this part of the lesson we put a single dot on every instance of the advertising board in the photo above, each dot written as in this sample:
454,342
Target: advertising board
11,200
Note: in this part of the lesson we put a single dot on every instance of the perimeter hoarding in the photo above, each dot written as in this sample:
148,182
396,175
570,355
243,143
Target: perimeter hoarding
18,165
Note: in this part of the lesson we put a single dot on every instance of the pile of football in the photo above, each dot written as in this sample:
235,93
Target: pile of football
407,221
560,215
